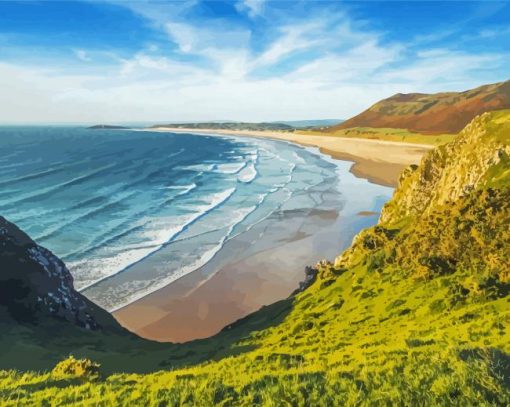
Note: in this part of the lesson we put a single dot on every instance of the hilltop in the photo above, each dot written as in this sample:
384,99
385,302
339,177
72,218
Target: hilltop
416,312
438,113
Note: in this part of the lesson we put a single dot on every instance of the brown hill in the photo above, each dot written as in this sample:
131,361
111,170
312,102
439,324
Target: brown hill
447,112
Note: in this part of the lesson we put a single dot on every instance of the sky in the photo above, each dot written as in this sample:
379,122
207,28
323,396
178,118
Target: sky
249,60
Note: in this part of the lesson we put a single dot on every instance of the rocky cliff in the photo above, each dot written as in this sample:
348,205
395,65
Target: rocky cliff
35,285
454,170
449,214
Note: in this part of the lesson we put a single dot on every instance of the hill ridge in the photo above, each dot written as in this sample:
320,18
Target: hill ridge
444,112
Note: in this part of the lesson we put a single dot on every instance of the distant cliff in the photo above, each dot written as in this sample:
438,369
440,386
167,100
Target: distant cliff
264,126
437,113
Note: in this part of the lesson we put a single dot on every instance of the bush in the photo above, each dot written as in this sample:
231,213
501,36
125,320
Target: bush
76,368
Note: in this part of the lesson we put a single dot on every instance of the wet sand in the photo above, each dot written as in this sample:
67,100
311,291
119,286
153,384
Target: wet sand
241,279
267,263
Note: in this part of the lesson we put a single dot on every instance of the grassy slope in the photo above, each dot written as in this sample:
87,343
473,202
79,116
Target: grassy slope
416,312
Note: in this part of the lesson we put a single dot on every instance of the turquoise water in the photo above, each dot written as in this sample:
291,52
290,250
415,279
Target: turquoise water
104,200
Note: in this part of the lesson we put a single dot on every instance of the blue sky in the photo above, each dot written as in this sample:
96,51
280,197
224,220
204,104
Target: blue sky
252,60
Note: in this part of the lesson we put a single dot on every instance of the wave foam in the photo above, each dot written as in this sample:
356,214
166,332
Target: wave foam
248,174
231,168
202,260
158,238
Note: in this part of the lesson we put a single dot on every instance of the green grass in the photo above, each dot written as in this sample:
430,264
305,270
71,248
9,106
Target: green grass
386,134
416,312
369,337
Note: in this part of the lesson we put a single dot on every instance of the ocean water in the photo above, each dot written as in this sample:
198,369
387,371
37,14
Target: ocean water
109,201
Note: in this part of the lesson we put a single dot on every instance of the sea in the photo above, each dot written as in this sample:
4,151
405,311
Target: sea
109,201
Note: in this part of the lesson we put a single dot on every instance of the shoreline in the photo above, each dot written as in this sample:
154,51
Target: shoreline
240,280
377,161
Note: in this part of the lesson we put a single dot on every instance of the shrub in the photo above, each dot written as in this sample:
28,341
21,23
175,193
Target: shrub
76,368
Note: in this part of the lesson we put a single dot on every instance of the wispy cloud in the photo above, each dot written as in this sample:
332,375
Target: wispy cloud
293,38
254,8
443,69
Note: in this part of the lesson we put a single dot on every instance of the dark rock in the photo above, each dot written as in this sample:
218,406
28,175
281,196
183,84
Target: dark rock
34,284
310,277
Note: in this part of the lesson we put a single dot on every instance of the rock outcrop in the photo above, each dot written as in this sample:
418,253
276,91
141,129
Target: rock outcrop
450,214
452,171
35,284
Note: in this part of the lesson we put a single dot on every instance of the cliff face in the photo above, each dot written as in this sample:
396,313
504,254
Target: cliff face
35,284
432,113
453,171
449,214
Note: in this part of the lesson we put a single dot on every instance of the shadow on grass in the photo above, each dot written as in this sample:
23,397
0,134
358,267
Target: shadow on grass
127,353
497,361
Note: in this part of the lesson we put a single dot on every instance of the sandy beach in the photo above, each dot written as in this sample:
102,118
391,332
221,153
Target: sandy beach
251,272
241,279
378,161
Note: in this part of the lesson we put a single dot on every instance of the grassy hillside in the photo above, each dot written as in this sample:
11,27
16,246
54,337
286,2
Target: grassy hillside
438,113
416,312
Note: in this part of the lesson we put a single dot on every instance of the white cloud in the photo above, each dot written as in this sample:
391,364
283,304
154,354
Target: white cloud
160,89
146,67
158,12
226,50
198,40
183,35
34,96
